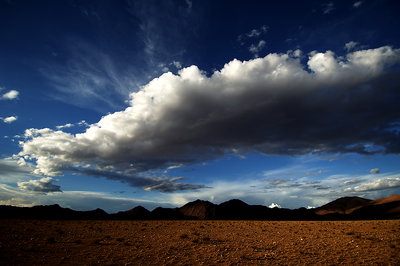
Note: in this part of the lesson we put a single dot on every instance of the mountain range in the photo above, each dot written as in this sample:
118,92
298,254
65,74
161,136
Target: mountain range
346,208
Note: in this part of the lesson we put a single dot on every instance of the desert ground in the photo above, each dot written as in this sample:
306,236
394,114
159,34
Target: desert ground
39,242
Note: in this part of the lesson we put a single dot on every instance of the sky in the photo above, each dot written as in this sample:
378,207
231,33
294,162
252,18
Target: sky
115,104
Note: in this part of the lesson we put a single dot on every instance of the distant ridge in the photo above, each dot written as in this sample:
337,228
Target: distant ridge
343,205
360,208
137,213
51,212
346,208
200,209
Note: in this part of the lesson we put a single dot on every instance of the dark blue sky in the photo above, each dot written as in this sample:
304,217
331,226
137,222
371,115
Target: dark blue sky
308,114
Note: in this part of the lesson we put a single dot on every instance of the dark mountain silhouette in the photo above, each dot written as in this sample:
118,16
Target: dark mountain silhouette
97,214
347,208
137,213
160,213
50,212
360,208
199,209
384,208
390,210
343,205
386,200
234,209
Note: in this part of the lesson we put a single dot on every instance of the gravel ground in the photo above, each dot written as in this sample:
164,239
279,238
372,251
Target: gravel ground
34,242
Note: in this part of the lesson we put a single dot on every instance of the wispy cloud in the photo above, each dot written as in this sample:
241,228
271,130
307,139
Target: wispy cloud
69,125
91,79
357,4
328,7
252,34
256,49
257,32
177,64
163,34
350,46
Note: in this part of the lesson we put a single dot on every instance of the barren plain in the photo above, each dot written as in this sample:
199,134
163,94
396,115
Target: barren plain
50,242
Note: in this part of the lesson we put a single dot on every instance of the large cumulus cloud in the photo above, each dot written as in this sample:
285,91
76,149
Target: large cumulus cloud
275,105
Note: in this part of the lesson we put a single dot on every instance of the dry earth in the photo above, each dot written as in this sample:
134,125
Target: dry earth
30,242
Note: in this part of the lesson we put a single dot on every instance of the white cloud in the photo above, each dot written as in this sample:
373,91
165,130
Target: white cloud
10,119
379,184
11,95
273,105
254,33
357,4
82,123
374,171
257,32
43,185
68,125
274,205
350,46
255,49
297,53
323,63
177,64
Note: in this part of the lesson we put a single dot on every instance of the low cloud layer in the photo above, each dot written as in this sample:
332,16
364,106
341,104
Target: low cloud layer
43,185
77,200
273,105
12,170
379,184
296,192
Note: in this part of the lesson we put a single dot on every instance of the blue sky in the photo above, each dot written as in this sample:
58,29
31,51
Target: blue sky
114,104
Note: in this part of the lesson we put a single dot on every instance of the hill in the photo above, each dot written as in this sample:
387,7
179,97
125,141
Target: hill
345,208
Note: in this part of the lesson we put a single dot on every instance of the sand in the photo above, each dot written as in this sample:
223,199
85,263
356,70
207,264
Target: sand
39,242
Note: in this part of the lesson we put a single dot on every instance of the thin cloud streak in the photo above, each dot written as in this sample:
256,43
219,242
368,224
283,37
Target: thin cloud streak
91,79
77,200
